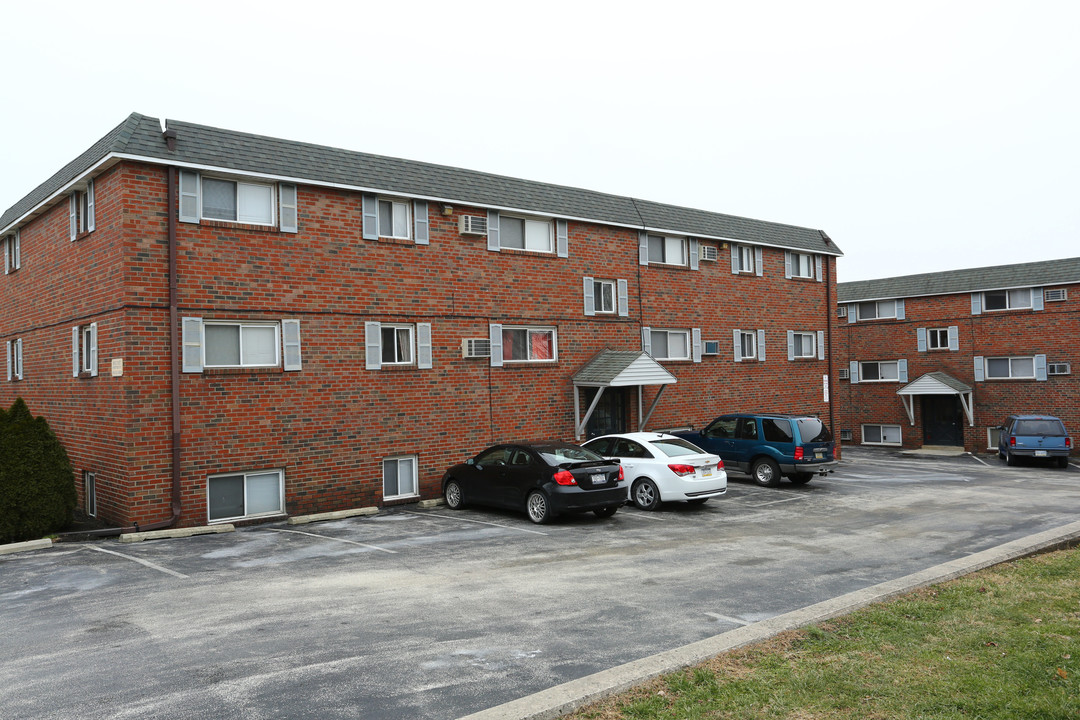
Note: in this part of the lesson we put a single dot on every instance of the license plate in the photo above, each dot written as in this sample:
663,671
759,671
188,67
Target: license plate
819,455
598,479
706,472
1040,453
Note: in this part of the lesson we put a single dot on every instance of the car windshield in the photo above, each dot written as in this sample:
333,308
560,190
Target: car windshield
1043,426
559,454
813,430
674,447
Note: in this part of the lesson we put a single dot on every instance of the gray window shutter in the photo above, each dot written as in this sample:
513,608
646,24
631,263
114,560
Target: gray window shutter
761,345
1036,298
978,368
623,293
920,338
8,259
495,335
372,345
646,340
75,351
1040,367
190,197
695,343
693,243
423,345
820,344
73,216
901,370
192,343
369,207
562,238
643,247
851,312
759,261
9,364
900,314
288,213
954,337
736,338
818,266
790,344
590,299
16,262
290,336
89,205
93,350
493,237
787,264
976,303
734,259
853,371
420,220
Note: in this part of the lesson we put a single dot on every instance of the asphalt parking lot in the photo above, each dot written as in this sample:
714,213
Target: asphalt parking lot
437,614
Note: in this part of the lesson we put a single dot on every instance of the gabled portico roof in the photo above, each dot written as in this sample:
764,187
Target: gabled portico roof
622,368
937,383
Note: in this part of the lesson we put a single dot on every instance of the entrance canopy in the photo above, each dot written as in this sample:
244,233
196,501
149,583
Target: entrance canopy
619,368
936,383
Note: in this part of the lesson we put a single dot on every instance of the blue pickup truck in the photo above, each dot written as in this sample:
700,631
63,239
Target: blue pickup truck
769,446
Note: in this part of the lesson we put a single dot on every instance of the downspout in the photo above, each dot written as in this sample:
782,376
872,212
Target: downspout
828,335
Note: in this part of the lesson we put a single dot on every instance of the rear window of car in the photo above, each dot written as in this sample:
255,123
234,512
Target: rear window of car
559,454
1039,427
813,430
777,430
674,447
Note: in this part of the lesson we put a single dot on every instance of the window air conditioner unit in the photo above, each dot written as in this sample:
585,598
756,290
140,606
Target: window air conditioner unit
845,435
1058,369
707,252
475,348
841,311
473,225
844,373
712,347
1056,295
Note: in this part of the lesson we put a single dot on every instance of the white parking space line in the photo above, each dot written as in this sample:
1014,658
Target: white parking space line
973,457
641,514
725,618
340,540
478,522
775,502
147,563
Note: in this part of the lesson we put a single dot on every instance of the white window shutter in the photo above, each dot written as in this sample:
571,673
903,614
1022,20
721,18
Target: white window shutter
759,258
192,343
623,292
901,370
734,259
693,243
369,220
979,368
75,365
790,345
8,259
920,338
646,340
643,247
853,371
787,264
761,345
589,298
93,350
73,216
695,343
1040,367
421,229
372,345
89,205
954,338
495,335
900,315
9,364
821,344
562,238
423,346
190,197
290,336
976,303
288,214
18,359
1037,298
736,338
818,267
493,237
17,262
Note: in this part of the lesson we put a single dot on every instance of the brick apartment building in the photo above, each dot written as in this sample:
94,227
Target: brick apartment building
221,326
943,358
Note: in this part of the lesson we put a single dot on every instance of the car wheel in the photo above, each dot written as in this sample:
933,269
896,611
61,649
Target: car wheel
1063,462
606,512
1010,459
455,499
802,478
766,472
538,508
697,501
646,495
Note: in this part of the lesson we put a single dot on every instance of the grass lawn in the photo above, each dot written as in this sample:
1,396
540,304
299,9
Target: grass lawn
999,643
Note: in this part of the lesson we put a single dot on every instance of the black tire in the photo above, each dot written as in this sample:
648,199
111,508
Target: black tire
538,508
697,501
606,512
1063,463
765,472
452,494
801,478
645,494
1010,459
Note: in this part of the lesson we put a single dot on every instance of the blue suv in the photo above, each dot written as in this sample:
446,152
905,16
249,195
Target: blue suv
768,446
1034,436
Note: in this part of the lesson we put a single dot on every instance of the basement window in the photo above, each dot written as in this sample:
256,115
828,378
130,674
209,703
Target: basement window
244,495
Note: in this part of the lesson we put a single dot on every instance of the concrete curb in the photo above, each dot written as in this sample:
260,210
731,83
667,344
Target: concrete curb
175,533
336,515
562,699
9,548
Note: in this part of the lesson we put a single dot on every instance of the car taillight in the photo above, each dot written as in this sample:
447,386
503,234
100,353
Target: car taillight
681,470
563,477
719,464
622,475
799,453
1012,441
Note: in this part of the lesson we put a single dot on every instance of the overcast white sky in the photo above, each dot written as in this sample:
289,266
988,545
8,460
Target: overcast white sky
920,136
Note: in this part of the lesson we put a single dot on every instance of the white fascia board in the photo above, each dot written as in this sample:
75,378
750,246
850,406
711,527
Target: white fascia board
63,192
721,238
1026,286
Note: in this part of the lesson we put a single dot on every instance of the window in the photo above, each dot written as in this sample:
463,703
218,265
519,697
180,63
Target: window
84,350
1012,368
604,296
525,234
937,338
240,345
1007,299
397,344
244,495
800,265
237,201
15,359
526,344
81,211
747,344
90,492
746,262
394,219
399,477
881,435
876,310
722,428
879,371
777,430
1058,368
803,345
12,253
992,436
668,250
670,344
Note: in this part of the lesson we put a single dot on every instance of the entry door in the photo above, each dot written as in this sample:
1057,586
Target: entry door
942,419
610,413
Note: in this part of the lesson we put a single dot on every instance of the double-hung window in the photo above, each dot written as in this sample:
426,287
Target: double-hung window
243,495
1007,299
747,259
800,265
882,371
606,297
670,344
528,344
801,345
1010,368
12,253
84,350
876,309
236,201
394,219
521,233
749,345
219,344
667,250
81,211
15,359
403,344
399,477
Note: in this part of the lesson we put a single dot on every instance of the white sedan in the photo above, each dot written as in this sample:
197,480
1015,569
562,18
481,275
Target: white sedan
661,467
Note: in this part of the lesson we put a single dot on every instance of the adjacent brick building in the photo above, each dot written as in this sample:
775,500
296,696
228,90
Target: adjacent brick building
221,326
943,358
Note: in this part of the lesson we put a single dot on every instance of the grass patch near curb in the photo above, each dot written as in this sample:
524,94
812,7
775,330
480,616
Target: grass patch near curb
1000,643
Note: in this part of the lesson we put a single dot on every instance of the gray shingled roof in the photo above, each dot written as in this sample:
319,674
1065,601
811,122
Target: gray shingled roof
622,367
995,277
140,136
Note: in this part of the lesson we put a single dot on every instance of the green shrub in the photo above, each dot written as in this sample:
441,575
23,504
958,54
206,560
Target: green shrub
37,488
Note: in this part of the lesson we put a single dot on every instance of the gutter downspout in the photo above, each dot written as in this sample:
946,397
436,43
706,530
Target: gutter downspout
828,336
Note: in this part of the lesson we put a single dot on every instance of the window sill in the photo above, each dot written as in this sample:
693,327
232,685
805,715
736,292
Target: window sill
526,251
394,241
239,226
526,363
402,367
86,375
80,235
242,371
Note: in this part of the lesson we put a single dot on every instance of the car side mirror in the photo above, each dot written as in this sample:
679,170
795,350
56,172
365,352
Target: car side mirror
470,461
